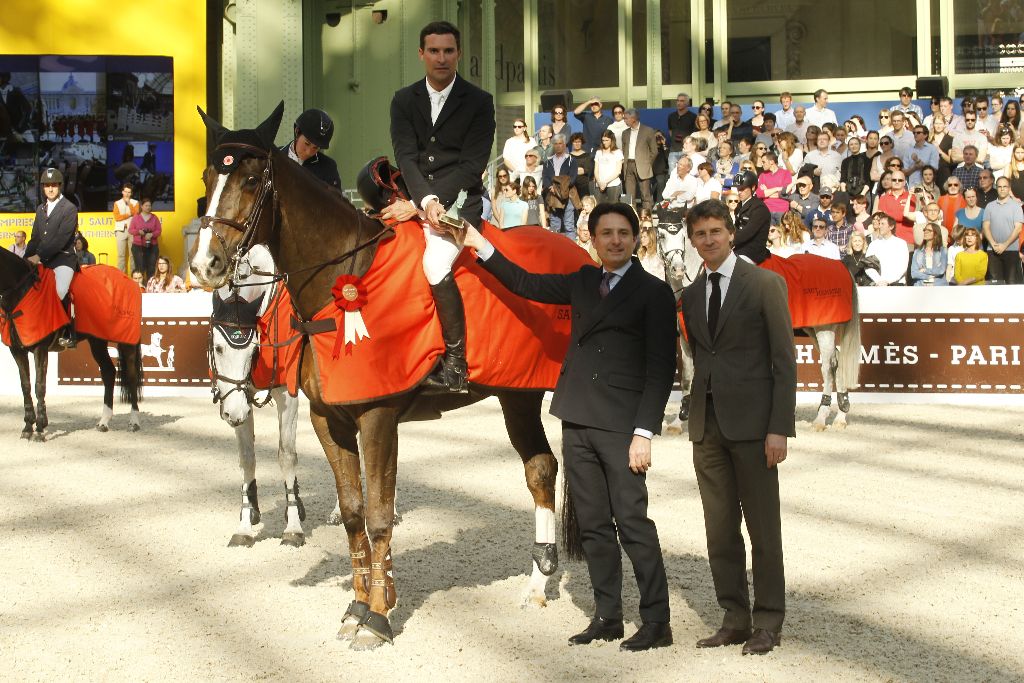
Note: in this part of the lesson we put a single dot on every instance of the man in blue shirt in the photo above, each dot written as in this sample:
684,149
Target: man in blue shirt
594,122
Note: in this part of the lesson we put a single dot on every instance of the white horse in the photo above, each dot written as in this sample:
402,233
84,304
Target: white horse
838,344
233,346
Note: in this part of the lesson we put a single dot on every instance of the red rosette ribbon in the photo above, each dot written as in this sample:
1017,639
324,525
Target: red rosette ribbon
349,296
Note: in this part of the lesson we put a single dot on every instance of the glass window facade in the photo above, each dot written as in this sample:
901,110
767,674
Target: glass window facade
989,36
578,42
814,39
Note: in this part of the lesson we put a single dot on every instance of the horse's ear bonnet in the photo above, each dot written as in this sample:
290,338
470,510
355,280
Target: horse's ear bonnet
232,146
379,184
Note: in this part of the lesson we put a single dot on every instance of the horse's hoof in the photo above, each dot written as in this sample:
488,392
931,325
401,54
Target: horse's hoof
838,425
374,630
39,437
27,434
132,427
534,602
348,629
545,555
818,426
242,541
293,539
102,428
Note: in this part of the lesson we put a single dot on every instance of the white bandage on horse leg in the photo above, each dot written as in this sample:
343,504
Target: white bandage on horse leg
439,256
545,525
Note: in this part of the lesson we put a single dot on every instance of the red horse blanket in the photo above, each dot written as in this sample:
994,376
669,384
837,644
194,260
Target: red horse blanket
511,342
820,289
280,346
108,304
38,314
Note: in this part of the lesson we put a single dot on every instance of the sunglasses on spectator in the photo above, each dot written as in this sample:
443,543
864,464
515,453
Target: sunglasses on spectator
732,201
895,164
952,184
886,142
558,112
920,132
801,184
970,118
757,106
982,107
883,117
519,125
503,175
899,180
819,226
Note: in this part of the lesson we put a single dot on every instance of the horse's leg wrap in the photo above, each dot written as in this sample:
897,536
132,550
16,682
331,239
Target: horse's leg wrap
382,576
292,498
843,400
545,555
250,503
826,401
360,568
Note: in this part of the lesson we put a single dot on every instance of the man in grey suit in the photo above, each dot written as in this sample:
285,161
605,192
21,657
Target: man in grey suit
744,384
638,151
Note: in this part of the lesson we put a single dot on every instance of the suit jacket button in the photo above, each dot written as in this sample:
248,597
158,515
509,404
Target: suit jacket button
430,176
433,139
595,376
600,349
430,158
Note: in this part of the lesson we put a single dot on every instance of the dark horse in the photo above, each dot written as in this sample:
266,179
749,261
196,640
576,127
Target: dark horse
16,277
255,195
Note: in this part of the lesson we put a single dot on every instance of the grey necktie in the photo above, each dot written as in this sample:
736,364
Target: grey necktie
715,304
606,281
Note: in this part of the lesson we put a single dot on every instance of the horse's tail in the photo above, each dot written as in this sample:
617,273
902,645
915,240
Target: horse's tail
848,370
129,361
572,540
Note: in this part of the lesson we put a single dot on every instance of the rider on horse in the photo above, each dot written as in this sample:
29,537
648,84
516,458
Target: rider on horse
53,242
313,132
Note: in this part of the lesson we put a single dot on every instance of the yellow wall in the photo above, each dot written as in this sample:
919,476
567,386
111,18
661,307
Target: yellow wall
170,28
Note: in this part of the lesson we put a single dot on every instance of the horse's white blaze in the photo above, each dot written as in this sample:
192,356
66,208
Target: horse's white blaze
545,525
222,180
200,262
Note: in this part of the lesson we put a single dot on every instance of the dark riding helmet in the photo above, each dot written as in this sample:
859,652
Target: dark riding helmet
317,126
51,176
379,184
745,179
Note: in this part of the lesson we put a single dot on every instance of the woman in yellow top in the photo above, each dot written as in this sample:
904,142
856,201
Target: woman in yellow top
971,263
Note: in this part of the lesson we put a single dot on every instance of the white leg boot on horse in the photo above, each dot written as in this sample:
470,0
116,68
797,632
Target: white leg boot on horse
249,516
287,420
825,340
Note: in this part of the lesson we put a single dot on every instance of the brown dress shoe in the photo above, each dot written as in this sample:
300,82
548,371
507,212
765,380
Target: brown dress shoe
762,642
725,636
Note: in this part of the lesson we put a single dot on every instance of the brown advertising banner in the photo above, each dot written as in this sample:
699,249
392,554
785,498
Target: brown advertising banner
173,354
935,353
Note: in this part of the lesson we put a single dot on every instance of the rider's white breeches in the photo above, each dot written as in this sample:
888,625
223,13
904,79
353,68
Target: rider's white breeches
438,257
63,275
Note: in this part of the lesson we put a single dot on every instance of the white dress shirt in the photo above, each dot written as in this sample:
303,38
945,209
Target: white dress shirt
437,100
50,205
634,134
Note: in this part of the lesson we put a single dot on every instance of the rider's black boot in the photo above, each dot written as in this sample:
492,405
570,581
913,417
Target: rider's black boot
452,374
65,337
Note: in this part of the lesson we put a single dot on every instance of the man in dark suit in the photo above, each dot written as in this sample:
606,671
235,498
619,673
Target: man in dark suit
610,396
740,332
753,219
53,240
442,130
639,148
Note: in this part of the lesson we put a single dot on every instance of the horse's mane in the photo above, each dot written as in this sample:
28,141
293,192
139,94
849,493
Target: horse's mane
316,193
15,278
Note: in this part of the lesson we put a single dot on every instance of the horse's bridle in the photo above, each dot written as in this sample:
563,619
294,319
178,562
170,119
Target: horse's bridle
248,226
666,257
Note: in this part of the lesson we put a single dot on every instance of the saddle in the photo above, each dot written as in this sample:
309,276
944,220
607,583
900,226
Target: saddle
380,184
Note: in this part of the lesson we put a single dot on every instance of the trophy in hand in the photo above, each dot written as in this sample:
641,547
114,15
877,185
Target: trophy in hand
451,222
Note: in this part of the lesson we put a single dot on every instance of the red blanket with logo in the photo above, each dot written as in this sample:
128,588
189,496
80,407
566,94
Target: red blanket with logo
820,289
511,342
108,304
280,346
38,314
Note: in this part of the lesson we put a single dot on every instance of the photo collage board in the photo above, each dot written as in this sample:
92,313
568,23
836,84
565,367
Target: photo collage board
101,120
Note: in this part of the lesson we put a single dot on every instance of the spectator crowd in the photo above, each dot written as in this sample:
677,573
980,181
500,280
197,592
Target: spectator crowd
917,198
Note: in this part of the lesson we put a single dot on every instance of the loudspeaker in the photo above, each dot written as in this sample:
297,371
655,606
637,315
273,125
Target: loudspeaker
550,98
932,86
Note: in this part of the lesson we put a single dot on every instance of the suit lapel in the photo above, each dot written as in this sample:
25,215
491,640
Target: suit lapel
451,103
736,288
422,101
620,293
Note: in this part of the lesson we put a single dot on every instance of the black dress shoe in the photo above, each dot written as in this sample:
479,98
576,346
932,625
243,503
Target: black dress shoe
762,642
725,636
648,636
599,629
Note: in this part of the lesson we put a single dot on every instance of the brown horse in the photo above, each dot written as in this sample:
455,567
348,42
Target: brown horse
17,276
255,194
